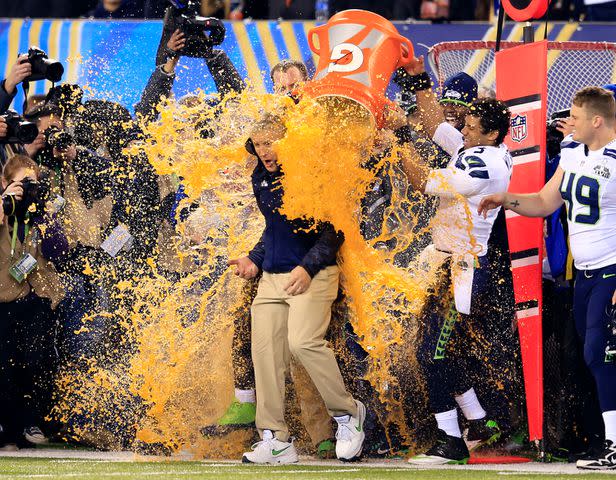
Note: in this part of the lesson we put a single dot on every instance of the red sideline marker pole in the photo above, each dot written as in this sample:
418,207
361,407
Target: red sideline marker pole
521,82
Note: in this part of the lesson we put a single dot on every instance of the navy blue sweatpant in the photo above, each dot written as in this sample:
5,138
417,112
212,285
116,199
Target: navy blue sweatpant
592,302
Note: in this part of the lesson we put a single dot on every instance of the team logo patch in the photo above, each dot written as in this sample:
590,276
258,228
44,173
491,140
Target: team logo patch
518,128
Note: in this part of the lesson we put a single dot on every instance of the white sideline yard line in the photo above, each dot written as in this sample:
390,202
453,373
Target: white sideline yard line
215,466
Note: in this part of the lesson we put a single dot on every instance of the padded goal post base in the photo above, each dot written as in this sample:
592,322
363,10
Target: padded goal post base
496,460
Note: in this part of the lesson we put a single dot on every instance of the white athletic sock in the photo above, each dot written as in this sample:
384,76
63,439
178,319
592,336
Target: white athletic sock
470,406
245,396
609,419
448,421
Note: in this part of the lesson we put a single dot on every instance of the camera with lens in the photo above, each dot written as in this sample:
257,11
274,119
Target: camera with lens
553,135
18,129
202,33
19,208
58,138
43,67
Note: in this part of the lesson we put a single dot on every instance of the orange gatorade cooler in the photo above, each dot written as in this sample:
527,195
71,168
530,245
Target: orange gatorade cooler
358,53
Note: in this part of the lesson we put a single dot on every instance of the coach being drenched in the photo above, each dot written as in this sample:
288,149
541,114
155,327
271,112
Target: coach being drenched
291,312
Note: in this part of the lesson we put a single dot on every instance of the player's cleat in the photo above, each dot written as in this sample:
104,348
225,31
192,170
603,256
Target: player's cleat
447,450
239,413
482,432
350,435
327,449
35,435
606,460
271,450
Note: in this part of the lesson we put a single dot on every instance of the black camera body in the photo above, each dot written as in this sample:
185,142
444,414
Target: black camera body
18,129
58,138
202,33
19,208
43,67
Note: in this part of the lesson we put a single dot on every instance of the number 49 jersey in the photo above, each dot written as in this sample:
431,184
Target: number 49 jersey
589,190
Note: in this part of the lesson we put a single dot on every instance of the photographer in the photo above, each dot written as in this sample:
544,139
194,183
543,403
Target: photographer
29,67
224,74
14,133
20,70
30,239
35,65
83,185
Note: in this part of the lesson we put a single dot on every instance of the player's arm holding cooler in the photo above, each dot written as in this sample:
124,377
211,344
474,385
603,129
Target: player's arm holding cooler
431,113
540,204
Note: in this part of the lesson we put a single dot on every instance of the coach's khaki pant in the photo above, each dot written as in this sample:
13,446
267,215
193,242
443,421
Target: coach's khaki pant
284,325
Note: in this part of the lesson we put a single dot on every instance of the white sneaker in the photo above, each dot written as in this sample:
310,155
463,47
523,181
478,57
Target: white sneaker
350,434
35,435
271,450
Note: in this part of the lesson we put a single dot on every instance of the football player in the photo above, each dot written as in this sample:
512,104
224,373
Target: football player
585,183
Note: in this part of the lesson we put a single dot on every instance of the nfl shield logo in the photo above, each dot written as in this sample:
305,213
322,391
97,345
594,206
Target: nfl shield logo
518,128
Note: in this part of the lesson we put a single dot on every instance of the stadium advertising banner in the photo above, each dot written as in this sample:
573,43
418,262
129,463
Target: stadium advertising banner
115,58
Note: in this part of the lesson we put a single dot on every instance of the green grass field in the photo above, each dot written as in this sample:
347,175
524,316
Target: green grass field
50,468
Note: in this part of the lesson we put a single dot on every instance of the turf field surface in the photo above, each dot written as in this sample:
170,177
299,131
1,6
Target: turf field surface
66,464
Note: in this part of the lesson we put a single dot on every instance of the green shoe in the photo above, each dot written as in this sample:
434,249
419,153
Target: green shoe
239,414
327,449
482,432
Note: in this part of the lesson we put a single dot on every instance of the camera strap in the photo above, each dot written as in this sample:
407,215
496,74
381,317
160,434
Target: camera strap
15,229
26,86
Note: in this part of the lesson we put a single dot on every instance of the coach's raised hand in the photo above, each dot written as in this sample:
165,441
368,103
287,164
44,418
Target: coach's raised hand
245,268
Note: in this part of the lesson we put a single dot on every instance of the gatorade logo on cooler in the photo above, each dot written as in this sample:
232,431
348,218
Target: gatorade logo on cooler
358,53
345,58
352,45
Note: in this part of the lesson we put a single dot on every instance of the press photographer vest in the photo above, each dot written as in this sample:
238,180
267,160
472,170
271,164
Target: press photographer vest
44,280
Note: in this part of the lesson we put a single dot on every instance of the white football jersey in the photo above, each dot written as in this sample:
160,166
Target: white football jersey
470,175
589,191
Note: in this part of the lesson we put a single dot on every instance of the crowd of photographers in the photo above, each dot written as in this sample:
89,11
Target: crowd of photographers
73,200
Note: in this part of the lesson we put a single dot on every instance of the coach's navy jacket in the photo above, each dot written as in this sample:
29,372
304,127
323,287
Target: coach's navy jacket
284,244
